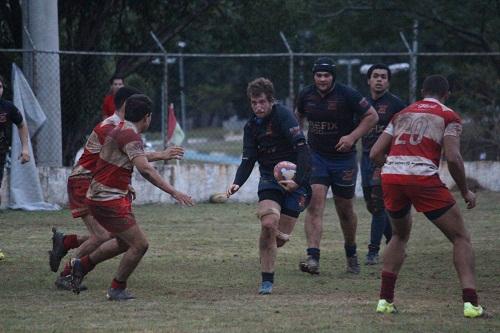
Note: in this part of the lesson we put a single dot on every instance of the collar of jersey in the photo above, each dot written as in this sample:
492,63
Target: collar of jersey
430,99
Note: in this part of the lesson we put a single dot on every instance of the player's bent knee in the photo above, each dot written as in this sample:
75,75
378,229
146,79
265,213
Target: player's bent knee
142,248
268,223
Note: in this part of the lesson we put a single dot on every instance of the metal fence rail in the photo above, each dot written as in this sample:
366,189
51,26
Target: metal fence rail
213,86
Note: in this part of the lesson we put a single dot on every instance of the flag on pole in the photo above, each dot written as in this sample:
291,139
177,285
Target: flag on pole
175,134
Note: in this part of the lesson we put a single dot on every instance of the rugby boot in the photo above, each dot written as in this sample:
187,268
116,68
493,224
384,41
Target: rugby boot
119,295
64,283
353,265
266,288
385,307
310,265
76,275
472,311
372,258
58,252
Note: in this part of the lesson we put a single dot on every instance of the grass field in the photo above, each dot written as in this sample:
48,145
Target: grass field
201,275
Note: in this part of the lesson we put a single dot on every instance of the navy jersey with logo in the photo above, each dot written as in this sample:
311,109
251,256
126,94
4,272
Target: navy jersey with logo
8,114
272,139
386,106
331,117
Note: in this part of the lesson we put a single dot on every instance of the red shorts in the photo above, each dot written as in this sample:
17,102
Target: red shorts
77,191
424,199
115,216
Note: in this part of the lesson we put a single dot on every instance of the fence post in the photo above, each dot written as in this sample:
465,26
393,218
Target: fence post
164,107
43,26
413,64
164,111
290,70
412,53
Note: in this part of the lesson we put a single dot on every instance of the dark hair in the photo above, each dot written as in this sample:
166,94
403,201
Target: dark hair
137,107
324,65
435,85
122,94
116,77
2,80
379,66
261,86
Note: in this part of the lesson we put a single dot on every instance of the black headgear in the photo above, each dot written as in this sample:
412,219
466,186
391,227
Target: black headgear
324,65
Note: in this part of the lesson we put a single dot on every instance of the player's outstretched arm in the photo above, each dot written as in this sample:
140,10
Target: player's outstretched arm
24,135
455,163
171,153
151,175
380,149
232,189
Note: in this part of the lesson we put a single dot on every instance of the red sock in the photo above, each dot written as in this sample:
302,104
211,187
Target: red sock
118,284
87,264
70,242
387,287
470,295
67,269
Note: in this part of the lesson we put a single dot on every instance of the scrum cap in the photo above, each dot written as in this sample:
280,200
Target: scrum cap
324,65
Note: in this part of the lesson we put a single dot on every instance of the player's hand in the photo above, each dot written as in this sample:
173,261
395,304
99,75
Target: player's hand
173,152
232,189
289,185
470,199
24,157
183,199
132,192
345,143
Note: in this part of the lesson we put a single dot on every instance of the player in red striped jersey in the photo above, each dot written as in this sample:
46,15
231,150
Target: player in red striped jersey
414,141
109,197
78,184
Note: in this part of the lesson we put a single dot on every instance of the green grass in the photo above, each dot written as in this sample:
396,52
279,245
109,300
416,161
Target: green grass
201,274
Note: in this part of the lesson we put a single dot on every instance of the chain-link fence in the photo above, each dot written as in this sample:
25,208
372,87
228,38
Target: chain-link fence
214,106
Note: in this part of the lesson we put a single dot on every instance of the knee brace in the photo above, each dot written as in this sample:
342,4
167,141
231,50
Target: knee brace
268,211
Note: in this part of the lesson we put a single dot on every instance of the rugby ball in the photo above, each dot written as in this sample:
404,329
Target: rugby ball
284,170
218,198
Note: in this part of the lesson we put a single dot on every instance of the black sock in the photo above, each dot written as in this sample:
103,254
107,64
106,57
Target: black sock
268,277
350,250
313,252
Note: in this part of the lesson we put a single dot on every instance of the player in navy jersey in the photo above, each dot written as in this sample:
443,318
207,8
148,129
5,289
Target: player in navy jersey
386,105
338,116
270,136
9,115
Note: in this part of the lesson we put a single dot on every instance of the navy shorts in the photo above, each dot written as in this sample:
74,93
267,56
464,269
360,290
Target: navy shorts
370,174
339,173
292,204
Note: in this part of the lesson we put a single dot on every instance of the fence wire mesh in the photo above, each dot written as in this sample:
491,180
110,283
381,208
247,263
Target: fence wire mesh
215,104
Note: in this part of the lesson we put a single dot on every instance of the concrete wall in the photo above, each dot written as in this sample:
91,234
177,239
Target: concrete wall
202,180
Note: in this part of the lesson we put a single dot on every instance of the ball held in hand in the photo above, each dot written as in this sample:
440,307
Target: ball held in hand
284,170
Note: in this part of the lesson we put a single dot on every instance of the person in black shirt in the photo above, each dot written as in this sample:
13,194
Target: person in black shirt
337,116
9,115
386,105
270,136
